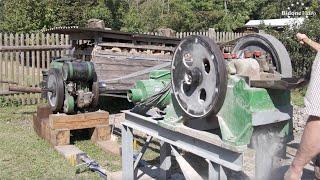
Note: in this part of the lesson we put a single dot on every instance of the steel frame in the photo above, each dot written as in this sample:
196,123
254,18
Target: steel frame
217,156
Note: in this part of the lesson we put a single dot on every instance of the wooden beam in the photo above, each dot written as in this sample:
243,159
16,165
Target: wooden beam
36,47
128,45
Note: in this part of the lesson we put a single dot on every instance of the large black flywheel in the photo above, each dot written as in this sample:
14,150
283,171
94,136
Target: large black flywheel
199,76
55,95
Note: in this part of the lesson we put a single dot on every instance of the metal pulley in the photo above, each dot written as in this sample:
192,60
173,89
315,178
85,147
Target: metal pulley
268,45
56,85
199,76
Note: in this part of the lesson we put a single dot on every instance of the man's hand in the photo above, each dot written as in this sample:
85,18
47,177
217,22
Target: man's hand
302,38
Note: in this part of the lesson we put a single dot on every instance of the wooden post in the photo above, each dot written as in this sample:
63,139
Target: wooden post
1,65
22,59
67,43
18,72
33,64
57,42
28,72
212,33
38,60
48,52
11,66
43,58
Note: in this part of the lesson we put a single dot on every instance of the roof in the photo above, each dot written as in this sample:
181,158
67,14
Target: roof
275,22
78,33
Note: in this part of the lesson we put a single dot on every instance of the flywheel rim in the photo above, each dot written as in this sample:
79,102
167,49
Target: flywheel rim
199,76
56,86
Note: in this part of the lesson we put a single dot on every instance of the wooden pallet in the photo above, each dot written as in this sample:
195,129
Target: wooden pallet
56,128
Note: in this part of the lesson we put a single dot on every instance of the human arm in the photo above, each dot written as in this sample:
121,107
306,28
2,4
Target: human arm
304,39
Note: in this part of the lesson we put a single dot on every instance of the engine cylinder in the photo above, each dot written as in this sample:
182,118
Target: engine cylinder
78,71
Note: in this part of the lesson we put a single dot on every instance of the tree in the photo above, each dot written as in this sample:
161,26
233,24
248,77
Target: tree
73,12
34,15
22,16
99,11
118,9
144,16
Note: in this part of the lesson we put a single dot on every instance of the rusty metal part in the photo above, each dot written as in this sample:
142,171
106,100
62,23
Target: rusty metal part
84,99
23,89
248,54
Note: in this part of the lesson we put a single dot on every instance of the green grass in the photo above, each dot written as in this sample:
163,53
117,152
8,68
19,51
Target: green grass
297,97
23,155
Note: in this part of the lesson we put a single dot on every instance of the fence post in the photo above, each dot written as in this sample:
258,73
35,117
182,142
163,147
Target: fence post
1,66
212,33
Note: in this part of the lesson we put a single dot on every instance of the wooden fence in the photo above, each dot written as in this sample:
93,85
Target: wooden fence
23,57
217,36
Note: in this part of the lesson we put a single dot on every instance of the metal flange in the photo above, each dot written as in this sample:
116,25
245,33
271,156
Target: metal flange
199,76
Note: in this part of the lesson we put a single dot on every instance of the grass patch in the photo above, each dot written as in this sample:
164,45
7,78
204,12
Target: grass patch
23,155
297,96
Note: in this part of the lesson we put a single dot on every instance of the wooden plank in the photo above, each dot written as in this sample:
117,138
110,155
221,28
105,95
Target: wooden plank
59,137
62,43
36,47
70,153
128,45
124,67
28,68
101,133
18,72
123,61
57,42
48,57
1,65
79,121
52,42
33,66
22,59
38,63
68,44
43,58
10,74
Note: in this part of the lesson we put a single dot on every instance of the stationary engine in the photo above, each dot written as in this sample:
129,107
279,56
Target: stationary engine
72,85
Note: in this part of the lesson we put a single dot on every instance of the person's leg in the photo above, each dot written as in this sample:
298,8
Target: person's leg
309,148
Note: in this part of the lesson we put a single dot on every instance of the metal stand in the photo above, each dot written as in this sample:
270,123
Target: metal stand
206,145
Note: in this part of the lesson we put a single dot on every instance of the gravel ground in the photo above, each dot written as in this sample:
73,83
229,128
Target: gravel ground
299,119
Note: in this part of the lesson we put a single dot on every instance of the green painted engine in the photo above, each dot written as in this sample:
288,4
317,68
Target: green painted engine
235,93
72,85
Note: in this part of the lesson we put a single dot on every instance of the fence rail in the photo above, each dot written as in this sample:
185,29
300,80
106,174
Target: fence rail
23,57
